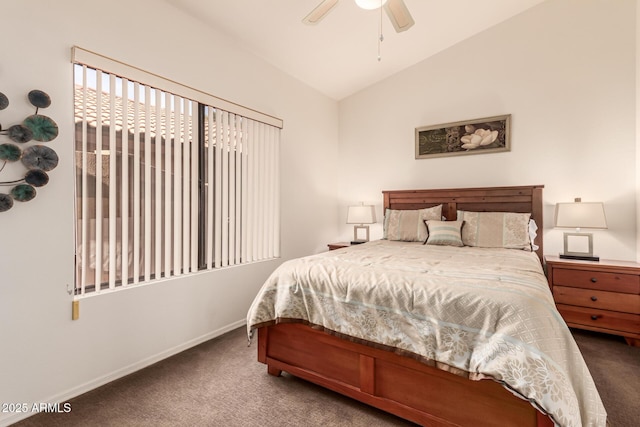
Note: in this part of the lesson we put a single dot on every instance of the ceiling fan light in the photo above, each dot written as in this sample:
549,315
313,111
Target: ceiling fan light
370,4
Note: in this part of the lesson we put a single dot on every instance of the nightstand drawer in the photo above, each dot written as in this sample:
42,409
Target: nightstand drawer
600,319
613,282
597,299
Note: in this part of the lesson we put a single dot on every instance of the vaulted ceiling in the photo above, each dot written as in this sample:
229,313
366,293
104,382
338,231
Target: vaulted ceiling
339,55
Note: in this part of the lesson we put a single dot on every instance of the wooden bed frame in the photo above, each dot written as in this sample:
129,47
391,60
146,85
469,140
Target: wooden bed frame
400,384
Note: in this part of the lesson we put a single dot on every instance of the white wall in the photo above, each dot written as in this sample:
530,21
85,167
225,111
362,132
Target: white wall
564,70
637,131
44,355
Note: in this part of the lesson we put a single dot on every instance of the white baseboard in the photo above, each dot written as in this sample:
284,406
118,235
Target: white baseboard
90,385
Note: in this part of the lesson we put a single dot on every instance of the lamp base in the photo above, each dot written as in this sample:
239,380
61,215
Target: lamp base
579,246
356,238
580,257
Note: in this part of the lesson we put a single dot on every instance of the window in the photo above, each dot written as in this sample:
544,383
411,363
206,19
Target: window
167,182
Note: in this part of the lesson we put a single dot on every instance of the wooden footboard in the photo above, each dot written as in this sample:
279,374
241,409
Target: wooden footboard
393,383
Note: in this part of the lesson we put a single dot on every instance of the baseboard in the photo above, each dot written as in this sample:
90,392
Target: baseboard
90,385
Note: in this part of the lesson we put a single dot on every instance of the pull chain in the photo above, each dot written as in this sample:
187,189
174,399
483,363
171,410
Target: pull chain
380,36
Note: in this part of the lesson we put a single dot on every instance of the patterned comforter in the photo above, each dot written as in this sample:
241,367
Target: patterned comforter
481,313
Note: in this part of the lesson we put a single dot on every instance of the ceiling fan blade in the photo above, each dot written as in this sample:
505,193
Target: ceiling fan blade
319,12
399,15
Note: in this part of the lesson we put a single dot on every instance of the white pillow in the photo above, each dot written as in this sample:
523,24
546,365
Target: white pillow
533,233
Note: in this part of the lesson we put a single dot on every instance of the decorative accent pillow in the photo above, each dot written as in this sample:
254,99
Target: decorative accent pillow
444,233
496,229
408,225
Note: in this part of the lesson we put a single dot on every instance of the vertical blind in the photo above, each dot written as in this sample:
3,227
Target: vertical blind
167,185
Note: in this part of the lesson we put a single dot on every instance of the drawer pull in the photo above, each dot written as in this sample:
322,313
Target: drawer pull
594,317
594,298
594,280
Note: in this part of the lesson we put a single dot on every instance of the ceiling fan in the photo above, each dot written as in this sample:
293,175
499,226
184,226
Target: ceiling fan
396,11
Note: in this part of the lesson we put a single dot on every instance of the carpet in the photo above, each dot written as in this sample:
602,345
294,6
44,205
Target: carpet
220,383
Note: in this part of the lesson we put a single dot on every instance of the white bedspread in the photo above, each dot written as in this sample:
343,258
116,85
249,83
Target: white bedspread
481,313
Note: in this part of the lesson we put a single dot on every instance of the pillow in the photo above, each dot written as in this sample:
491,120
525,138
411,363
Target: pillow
533,233
496,229
444,233
408,225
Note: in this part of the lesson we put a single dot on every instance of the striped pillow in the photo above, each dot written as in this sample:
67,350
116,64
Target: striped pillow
444,233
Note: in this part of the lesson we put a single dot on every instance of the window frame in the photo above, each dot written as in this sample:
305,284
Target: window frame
203,103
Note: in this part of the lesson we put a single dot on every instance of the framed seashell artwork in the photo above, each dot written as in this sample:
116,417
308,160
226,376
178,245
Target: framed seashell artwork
487,135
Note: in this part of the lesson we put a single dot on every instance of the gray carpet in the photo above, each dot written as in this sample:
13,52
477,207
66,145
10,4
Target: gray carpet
220,383
615,368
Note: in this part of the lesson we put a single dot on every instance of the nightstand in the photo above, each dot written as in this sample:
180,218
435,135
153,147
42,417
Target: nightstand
338,245
599,296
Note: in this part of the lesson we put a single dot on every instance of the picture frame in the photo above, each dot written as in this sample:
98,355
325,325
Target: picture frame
479,136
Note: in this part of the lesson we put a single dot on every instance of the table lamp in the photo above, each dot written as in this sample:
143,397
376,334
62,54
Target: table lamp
579,215
360,215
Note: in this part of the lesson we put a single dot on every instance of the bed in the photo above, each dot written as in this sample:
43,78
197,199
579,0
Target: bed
439,335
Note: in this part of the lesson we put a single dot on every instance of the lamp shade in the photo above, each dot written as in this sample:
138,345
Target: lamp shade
580,215
370,4
363,214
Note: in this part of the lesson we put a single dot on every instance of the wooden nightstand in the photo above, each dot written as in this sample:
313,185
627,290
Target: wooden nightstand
599,296
338,245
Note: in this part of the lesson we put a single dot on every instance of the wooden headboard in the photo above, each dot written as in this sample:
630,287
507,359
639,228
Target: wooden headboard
520,199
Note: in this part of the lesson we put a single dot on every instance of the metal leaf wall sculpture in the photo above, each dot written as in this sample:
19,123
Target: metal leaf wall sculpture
38,159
